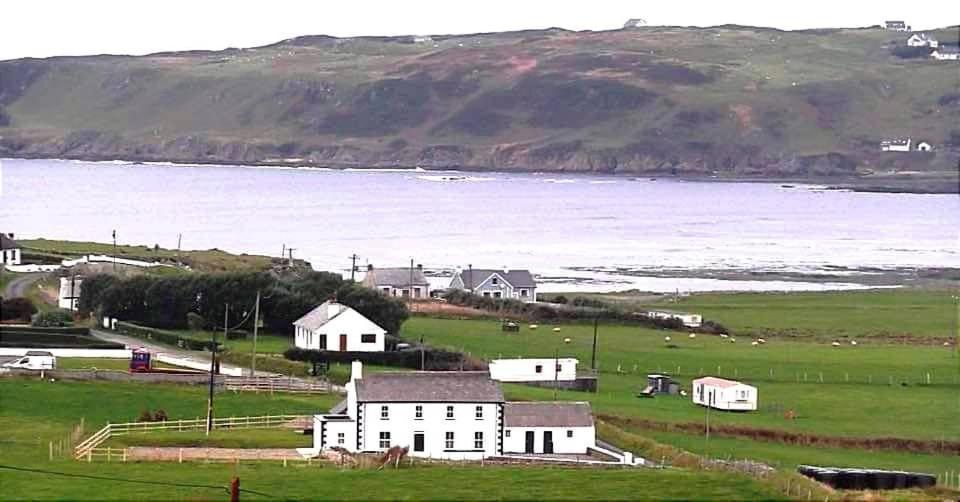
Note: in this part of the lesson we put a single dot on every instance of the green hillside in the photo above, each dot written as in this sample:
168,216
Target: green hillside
725,101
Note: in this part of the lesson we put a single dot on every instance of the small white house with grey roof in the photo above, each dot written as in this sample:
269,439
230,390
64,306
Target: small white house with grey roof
454,415
406,282
336,327
10,250
506,283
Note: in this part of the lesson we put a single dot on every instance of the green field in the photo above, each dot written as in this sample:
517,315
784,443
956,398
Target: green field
31,422
266,343
891,313
82,363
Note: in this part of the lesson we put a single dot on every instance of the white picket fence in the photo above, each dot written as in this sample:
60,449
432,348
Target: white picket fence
276,384
85,449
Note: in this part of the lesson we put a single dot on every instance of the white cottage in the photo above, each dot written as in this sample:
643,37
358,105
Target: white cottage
534,369
336,327
722,394
550,428
406,282
922,40
454,415
69,297
9,249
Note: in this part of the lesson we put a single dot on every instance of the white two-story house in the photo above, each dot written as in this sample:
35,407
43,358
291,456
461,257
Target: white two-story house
9,249
515,284
336,327
454,415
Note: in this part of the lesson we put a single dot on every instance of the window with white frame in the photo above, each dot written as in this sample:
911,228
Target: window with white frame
449,412
477,440
479,412
448,443
384,412
341,438
418,412
384,440
569,433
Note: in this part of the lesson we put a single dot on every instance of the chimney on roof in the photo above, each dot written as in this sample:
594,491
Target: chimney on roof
420,267
356,370
506,270
369,267
10,235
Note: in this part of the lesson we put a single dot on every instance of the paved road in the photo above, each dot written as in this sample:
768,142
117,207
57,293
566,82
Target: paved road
18,286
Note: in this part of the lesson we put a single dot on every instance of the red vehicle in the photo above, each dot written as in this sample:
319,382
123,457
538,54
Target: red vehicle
140,361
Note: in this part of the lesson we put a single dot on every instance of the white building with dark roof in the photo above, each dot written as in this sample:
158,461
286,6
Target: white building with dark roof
9,249
69,297
404,282
515,284
455,415
336,327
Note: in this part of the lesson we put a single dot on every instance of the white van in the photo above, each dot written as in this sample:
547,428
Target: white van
34,360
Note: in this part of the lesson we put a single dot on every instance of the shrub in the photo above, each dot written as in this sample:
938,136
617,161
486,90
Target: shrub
560,299
160,416
195,321
52,318
433,359
145,416
17,309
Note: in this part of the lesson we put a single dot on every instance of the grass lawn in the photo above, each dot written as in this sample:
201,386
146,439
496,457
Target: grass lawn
236,438
266,343
35,412
787,374
82,363
879,312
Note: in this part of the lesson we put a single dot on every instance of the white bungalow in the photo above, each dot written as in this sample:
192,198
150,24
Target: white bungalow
534,369
923,146
454,415
896,145
922,40
69,297
9,249
722,394
946,53
338,328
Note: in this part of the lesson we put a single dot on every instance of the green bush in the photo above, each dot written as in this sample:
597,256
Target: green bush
52,318
195,321
433,359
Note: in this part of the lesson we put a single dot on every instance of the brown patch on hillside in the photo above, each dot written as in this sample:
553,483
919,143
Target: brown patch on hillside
744,115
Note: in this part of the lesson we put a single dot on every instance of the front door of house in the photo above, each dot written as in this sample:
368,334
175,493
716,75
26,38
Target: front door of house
343,343
418,441
528,446
548,441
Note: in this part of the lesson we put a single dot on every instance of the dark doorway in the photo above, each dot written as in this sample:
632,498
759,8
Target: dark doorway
343,343
418,441
548,441
528,448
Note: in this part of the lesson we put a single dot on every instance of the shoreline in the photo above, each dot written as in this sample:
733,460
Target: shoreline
823,183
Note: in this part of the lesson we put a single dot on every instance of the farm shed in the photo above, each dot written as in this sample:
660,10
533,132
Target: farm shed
548,427
722,394
534,369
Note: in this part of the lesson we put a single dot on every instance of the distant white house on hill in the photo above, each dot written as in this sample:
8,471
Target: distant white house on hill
10,250
896,145
688,320
338,328
406,282
946,53
534,369
896,25
722,394
515,284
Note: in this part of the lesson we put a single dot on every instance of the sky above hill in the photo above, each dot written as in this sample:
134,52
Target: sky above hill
42,28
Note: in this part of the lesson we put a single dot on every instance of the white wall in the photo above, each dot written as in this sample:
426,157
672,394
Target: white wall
327,435
11,257
402,425
525,370
350,323
514,439
99,353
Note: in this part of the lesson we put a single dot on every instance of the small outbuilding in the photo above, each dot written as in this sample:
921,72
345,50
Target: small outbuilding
548,427
722,394
660,384
688,320
534,369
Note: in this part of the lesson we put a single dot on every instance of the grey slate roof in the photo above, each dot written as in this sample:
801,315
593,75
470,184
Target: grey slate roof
394,276
516,278
8,243
320,315
429,387
547,414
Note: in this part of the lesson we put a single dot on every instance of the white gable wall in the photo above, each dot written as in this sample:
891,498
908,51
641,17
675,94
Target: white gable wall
525,370
350,323
11,257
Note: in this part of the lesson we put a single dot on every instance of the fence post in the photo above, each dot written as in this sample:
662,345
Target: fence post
51,451
180,455
90,455
124,455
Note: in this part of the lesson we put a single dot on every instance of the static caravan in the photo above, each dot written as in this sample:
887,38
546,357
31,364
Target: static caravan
722,394
688,320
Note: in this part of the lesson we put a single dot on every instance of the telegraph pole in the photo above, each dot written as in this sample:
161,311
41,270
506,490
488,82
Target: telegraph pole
593,353
290,251
353,266
470,268
256,324
179,237
213,363
410,285
114,250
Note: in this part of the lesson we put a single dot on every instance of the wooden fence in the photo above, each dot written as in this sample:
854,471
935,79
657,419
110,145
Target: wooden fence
276,384
85,449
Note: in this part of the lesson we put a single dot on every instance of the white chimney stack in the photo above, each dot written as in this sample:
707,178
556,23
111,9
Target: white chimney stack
356,370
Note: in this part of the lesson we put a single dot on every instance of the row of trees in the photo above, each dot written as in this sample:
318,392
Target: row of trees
166,302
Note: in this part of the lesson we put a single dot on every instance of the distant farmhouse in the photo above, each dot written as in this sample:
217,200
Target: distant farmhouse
422,39
515,284
688,320
922,40
398,281
896,26
634,23
923,146
454,415
896,145
10,249
336,327
946,53
69,297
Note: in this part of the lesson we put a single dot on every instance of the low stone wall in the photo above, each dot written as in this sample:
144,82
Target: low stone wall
582,384
118,376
